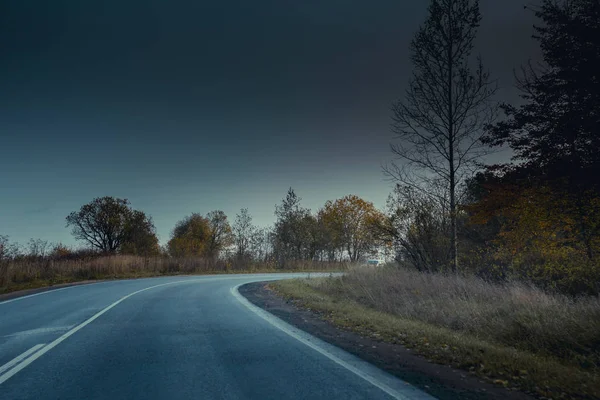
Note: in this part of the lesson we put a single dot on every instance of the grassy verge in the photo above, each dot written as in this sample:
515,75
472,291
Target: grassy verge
449,320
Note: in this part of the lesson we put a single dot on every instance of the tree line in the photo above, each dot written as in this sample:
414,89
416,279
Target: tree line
535,217
342,230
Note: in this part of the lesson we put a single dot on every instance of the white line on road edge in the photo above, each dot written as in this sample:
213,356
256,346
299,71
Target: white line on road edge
40,293
20,357
50,346
408,393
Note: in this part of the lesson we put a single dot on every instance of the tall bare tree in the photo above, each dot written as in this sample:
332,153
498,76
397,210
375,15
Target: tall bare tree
243,230
446,107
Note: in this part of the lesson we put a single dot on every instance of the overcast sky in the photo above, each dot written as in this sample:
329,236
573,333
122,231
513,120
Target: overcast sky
188,106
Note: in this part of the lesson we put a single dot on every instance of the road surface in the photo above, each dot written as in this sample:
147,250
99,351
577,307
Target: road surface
172,338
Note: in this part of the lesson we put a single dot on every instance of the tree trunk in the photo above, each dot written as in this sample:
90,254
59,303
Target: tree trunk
451,139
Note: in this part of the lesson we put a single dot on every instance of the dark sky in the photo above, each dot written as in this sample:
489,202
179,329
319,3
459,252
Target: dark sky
189,106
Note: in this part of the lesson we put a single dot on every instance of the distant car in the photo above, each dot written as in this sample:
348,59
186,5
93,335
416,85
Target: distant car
375,263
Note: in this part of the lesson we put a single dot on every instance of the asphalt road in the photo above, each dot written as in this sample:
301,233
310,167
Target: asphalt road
172,338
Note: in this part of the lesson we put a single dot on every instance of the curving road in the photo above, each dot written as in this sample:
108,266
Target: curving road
172,338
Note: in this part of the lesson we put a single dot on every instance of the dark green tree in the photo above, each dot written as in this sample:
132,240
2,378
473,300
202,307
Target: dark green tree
140,235
292,235
555,133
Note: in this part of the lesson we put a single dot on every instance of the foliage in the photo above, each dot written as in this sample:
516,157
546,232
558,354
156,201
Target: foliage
140,236
292,234
221,235
350,223
540,237
546,203
109,224
554,134
190,237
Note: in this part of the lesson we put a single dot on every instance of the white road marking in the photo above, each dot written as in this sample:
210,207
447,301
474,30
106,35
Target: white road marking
374,376
39,331
36,294
6,376
17,359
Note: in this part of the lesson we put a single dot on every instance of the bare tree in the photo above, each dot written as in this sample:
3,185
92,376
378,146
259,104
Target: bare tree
446,107
38,247
243,230
7,250
417,228
261,244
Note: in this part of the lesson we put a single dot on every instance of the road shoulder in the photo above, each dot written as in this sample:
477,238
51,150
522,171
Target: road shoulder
440,381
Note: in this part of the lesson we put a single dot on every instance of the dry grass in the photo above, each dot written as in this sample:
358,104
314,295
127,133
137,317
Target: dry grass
29,273
514,334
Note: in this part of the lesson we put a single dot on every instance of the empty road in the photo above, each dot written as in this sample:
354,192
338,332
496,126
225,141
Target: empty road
172,338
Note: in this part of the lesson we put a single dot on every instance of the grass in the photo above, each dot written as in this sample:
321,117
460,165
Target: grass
512,335
29,273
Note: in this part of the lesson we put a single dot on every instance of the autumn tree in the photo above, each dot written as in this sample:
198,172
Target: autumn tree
220,233
440,121
351,222
190,237
329,239
108,223
531,232
140,236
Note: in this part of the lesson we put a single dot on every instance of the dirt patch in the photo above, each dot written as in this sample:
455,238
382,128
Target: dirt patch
440,381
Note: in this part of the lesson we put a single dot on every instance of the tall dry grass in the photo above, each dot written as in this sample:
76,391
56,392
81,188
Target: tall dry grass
26,272
513,314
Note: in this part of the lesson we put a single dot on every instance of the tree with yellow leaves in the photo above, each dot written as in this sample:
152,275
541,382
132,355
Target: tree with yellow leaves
190,237
350,222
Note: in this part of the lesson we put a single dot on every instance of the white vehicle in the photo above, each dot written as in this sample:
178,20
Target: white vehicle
375,262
